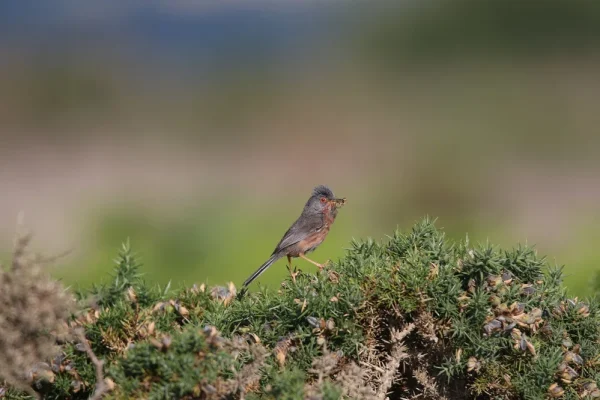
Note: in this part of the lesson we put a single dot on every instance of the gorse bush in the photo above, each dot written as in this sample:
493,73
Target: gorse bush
415,317
33,313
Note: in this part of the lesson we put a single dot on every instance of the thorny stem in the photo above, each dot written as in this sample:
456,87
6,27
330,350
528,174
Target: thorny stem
396,356
101,386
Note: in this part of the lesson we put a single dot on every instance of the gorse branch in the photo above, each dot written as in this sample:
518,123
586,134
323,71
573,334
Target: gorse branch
416,317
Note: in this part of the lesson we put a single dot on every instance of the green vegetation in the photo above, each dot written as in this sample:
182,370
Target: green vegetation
450,30
418,316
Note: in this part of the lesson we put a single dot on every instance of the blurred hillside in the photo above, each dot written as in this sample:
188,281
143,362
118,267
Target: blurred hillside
198,129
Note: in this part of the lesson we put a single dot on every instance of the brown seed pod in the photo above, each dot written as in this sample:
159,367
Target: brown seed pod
572,357
507,277
517,308
492,326
473,364
556,391
493,280
568,375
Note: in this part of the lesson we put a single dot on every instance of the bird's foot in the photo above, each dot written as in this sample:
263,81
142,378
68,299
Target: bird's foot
325,265
293,273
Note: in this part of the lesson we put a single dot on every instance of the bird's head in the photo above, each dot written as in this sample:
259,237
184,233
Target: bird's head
323,200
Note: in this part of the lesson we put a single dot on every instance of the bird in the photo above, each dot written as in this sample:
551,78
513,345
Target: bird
307,233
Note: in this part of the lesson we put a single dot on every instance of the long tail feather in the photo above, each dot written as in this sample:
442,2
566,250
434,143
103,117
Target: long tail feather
262,269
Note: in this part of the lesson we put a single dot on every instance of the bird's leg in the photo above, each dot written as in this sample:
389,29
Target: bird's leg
293,273
311,261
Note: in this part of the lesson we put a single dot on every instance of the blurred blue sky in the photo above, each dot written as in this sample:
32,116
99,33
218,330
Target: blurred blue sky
192,36
122,118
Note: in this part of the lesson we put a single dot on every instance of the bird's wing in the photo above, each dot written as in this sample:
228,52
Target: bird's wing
299,230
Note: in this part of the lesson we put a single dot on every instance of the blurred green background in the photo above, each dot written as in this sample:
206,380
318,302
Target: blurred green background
198,129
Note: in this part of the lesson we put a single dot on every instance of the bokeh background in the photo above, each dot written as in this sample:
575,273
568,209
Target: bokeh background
198,128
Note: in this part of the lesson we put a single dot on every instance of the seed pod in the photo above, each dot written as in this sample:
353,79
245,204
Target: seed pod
110,384
183,311
224,295
572,357
546,330
536,313
527,289
493,280
463,297
131,295
473,364
492,326
281,349
572,302
516,334
495,300
209,389
502,309
558,311
434,271
254,338
314,322
523,343
458,354
568,375
562,367
509,326
472,285
584,311
517,308
334,277
531,348
330,325
556,391
76,386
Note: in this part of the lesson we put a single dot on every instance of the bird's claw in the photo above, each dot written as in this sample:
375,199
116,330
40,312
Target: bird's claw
324,265
294,275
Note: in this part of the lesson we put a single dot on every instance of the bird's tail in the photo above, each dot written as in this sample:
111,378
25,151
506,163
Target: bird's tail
262,269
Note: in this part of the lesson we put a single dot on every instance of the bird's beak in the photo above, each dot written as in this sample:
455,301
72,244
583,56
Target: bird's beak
338,202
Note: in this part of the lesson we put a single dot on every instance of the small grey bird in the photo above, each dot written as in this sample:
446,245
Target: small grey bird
308,232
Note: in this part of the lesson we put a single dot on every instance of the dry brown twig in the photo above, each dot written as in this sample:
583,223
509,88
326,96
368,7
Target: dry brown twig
352,381
32,317
249,375
101,385
428,383
396,356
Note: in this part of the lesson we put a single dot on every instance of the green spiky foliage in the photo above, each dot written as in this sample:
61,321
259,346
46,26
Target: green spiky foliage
417,316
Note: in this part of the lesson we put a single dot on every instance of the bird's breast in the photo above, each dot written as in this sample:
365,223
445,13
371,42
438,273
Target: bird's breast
329,217
312,241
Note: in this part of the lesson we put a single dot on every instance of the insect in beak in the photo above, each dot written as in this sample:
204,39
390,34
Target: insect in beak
338,202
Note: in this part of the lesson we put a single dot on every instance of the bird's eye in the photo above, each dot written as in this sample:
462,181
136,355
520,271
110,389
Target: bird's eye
323,199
